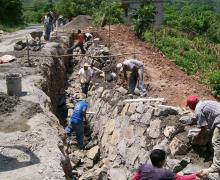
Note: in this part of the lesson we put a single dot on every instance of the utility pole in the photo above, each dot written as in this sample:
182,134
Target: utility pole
109,26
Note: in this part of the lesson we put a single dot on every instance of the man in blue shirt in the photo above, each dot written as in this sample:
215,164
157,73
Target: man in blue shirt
76,121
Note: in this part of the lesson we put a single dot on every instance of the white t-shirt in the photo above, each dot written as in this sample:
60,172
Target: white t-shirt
88,35
85,75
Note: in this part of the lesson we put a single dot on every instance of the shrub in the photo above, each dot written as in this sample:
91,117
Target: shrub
143,18
214,32
214,82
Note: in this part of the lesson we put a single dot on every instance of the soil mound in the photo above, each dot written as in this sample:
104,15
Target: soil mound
162,77
79,22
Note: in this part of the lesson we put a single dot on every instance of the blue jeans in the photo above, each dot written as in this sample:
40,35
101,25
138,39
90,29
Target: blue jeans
141,81
79,130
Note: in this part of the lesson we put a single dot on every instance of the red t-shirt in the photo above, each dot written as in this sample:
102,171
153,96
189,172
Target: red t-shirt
80,38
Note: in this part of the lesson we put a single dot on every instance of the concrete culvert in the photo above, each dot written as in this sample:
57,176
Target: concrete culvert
13,82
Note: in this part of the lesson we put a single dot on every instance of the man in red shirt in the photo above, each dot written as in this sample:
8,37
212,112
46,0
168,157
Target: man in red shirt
79,41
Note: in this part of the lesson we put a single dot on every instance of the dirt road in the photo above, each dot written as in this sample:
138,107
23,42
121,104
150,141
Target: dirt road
7,41
162,76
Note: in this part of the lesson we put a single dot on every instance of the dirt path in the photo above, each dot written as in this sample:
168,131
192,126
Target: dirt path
164,78
7,41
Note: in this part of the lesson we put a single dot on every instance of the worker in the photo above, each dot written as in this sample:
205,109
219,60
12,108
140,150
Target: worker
88,37
47,20
79,42
156,170
137,74
88,40
208,120
76,121
85,76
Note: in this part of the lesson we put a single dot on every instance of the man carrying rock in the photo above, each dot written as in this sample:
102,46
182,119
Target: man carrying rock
79,42
76,121
137,74
208,119
85,75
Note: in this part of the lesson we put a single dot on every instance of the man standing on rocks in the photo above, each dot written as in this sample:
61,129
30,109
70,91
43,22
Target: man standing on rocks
85,75
208,119
137,74
47,20
76,121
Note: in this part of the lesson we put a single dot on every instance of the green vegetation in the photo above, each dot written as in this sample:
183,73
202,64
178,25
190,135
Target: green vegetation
71,8
35,10
109,13
191,37
143,18
102,11
10,13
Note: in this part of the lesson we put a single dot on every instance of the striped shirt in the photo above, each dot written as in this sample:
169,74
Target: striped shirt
208,114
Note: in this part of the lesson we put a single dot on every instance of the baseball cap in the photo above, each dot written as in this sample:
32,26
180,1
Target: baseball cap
192,100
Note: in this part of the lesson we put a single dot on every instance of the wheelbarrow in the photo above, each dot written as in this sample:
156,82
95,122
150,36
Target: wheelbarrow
35,44
36,34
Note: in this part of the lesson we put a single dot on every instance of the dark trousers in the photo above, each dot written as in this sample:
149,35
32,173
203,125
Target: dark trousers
133,79
85,88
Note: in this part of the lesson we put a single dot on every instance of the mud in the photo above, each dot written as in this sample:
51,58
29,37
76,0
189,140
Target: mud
7,103
15,113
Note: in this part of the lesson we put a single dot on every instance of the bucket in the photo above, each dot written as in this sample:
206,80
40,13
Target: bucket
13,82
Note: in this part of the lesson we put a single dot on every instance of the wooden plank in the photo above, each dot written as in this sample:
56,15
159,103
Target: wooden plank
144,100
90,112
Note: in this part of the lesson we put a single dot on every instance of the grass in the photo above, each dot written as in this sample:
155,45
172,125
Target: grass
11,29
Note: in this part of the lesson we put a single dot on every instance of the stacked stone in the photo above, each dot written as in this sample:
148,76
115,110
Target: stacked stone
125,134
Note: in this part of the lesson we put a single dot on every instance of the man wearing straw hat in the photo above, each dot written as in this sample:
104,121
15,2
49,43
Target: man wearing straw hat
85,75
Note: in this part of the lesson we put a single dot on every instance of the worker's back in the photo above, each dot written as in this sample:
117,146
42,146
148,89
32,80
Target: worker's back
208,113
149,172
77,116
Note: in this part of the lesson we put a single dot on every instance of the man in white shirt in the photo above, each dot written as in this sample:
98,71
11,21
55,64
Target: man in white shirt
208,119
85,75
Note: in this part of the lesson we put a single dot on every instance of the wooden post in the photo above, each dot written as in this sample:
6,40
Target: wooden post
109,28
28,53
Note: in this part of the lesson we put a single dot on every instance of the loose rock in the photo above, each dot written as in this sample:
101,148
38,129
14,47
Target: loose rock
93,153
154,129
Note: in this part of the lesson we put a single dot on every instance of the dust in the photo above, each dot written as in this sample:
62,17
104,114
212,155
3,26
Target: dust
15,113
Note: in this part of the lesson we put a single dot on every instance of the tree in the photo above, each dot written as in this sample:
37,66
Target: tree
11,12
70,8
109,13
143,18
